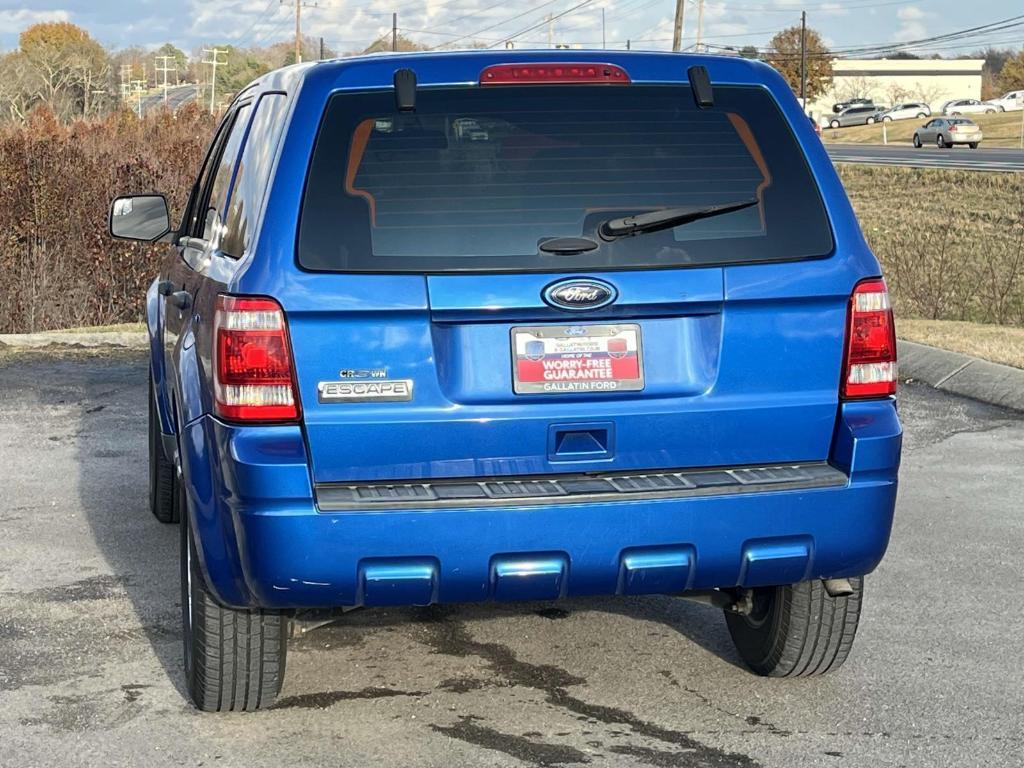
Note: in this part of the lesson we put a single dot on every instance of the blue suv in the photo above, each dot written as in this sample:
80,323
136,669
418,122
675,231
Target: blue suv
517,326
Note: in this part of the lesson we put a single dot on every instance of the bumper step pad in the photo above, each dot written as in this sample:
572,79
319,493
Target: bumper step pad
580,488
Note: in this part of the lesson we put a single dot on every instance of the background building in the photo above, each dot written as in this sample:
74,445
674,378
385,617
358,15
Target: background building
889,81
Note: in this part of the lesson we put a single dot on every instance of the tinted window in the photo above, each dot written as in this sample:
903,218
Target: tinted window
476,178
252,174
216,197
189,221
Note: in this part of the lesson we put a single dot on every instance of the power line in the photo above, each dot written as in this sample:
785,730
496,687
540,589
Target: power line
548,21
502,22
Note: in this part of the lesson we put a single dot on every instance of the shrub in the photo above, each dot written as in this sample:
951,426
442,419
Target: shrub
951,242
58,266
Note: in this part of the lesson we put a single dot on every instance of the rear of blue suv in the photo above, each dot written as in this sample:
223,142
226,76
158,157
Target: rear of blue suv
517,326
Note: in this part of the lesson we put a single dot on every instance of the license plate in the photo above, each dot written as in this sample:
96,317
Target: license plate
564,359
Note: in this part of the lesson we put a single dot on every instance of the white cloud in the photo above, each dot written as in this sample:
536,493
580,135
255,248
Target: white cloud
14,22
834,9
912,24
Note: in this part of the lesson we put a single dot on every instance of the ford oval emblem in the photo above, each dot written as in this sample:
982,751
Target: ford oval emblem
579,294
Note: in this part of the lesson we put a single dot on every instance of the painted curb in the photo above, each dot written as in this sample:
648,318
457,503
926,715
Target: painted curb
963,375
62,340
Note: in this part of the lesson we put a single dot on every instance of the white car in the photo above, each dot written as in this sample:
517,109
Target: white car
1008,102
967,107
905,111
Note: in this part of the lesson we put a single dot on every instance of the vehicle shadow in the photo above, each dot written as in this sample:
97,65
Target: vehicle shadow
112,462
702,625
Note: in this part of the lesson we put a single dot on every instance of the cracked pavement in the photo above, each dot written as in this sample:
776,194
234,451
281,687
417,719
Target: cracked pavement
90,649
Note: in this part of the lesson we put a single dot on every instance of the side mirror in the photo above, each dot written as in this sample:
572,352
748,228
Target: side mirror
139,217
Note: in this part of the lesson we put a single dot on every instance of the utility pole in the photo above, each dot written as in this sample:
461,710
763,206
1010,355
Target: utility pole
803,60
139,86
165,69
126,79
627,44
394,31
677,32
321,49
604,40
214,62
700,24
299,5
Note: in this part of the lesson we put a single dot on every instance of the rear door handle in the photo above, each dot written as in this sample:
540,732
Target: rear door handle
181,299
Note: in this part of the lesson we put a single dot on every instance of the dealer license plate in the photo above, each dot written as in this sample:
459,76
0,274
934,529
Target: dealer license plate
564,359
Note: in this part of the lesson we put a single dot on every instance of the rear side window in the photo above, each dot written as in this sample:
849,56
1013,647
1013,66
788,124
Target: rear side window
253,173
213,211
478,177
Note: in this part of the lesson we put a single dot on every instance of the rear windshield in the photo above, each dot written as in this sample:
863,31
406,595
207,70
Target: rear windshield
477,178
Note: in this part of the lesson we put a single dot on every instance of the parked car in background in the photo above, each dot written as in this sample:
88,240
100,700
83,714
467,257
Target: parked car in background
905,111
844,105
1008,102
863,115
967,107
948,131
391,367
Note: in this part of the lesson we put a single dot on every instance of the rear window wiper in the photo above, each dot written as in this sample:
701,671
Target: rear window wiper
667,218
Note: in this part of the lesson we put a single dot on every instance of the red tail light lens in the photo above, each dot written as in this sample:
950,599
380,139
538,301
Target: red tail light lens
523,74
253,361
870,367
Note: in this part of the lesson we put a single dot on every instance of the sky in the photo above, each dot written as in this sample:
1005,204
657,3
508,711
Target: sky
349,25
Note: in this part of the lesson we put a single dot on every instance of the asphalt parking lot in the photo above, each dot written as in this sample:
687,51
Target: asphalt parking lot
90,653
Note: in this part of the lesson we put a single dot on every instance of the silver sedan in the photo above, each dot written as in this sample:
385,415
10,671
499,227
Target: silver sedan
948,131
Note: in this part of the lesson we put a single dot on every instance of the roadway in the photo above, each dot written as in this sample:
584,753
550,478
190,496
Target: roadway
1004,160
176,96
90,649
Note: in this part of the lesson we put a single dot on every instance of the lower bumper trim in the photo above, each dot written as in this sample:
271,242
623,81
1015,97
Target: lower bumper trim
578,488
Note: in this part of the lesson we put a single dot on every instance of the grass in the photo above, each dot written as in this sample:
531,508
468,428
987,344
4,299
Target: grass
997,343
1000,130
951,244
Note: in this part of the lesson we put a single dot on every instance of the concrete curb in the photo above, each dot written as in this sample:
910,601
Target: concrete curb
62,340
964,375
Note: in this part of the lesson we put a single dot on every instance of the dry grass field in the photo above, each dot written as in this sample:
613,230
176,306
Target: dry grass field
951,242
998,343
1000,130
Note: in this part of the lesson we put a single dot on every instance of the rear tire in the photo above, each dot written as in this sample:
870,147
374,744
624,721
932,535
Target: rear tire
163,502
234,659
797,630
921,115
940,142
834,124
917,141
973,144
886,119
871,121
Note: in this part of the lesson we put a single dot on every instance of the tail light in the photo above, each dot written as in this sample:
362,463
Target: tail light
253,361
534,74
870,366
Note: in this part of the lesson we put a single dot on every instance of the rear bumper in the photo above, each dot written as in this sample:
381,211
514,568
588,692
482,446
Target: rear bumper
264,542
